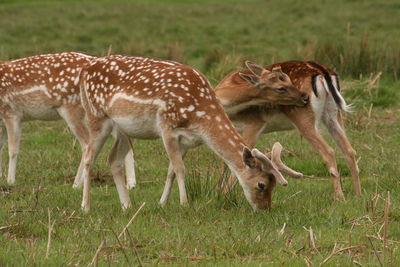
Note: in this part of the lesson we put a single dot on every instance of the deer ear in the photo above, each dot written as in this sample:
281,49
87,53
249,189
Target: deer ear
254,68
272,75
248,158
278,68
250,78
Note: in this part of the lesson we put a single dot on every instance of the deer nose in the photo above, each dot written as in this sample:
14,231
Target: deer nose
304,98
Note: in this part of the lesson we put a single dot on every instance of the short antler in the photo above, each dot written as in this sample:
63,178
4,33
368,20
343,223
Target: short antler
276,159
267,162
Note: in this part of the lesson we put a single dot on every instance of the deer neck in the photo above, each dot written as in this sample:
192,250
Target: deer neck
237,99
222,137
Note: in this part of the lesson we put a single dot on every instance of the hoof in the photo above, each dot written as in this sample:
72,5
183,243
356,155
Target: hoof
130,186
338,196
76,186
125,206
85,208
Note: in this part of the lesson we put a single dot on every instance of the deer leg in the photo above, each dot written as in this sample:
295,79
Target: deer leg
175,153
130,169
251,131
116,160
170,179
73,115
3,138
221,180
13,125
98,132
129,163
306,125
334,126
168,185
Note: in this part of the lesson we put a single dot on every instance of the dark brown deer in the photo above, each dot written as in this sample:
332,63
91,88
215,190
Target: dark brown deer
326,103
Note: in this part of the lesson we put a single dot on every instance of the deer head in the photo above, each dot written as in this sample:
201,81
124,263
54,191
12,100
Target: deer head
265,170
260,178
273,86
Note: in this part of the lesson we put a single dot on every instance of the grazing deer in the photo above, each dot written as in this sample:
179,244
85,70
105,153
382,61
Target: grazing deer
311,78
269,86
150,98
43,87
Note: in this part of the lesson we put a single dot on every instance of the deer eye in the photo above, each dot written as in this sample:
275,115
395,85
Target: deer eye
261,185
281,90
281,78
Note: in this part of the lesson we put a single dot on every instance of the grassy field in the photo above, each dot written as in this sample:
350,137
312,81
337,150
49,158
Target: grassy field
305,227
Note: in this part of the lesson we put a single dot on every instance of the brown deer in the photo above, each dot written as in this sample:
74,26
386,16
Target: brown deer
326,103
149,98
43,87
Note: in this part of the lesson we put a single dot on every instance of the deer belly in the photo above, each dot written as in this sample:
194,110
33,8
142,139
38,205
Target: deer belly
135,117
46,113
277,122
37,110
141,127
34,104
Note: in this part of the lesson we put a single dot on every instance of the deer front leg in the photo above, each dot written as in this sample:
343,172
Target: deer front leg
335,128
130,169
305,123
3,138
170,180
175,153
168,185
116,161
251,130
129,162
13,125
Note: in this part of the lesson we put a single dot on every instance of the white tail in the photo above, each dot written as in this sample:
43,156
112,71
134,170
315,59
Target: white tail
149,98
314,80
44,87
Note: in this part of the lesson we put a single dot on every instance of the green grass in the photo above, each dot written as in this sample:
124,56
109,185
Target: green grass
352,36
213,229
355,37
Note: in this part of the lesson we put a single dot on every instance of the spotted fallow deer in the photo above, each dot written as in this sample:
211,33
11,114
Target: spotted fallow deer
326,103
43,87
272,87
150,98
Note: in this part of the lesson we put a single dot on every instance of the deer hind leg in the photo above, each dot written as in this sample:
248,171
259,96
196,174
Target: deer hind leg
98,132
116,161
13,125
334,125
129,163
3,138
251,131
175,152
73,116
306,125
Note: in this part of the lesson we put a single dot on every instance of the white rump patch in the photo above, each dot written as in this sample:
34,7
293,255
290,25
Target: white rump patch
344,106
318,103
